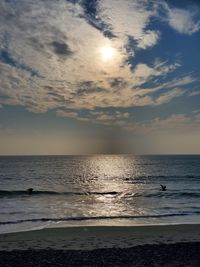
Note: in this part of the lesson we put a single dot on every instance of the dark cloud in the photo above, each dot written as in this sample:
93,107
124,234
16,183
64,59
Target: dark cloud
7,58
118,82
88,87
36,44
61,49
106,29
109,34
56,95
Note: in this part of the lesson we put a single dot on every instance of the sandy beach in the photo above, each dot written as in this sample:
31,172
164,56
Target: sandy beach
163,245
96,237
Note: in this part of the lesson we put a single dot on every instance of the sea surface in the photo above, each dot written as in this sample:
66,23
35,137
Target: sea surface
98,190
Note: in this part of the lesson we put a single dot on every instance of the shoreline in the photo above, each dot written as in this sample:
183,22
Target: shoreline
99,223
139,246
99,237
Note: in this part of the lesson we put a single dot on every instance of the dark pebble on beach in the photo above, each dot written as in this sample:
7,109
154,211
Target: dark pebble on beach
166,255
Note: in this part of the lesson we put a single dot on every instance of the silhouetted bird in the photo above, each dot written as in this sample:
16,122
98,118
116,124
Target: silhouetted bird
163,187
30,190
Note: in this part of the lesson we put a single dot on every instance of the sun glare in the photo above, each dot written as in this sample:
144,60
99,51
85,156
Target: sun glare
107,53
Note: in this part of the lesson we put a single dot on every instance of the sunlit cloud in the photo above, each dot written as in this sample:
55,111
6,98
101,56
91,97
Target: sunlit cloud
183,21
172,124
71,56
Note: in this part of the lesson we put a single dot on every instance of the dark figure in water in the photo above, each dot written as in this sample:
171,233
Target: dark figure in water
29,190
163,187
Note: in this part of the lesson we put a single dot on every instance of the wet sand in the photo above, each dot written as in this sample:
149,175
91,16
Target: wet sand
168,245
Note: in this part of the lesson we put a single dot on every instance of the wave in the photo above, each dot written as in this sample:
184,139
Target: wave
175,194
15,193
100,218
166,194
136,179
158,194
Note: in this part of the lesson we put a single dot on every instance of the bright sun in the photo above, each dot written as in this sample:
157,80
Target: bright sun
107,53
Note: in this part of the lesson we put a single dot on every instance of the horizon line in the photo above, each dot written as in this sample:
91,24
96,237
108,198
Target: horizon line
98,154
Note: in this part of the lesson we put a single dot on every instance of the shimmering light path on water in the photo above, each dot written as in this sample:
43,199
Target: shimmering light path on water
104,189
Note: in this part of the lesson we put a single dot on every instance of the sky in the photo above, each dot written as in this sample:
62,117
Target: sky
99,76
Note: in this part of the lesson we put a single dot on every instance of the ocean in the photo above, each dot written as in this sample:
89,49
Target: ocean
98,190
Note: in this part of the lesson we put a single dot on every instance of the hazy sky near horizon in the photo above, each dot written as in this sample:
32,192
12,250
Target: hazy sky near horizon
99,76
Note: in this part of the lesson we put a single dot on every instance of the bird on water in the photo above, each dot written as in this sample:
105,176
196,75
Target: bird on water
30,191
163,187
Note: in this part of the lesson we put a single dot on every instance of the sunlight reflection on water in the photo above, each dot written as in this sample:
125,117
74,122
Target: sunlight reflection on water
101,187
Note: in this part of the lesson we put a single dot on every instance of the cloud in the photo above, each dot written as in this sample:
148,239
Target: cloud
149,39
175,123
143,71
91,14
7,58
88,87
183,21
110,118
194,93
117,82
115,118
184,81
168,96
67,114
61,49
130,19
51,58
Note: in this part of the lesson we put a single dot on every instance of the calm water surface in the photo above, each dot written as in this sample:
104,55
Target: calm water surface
98,190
